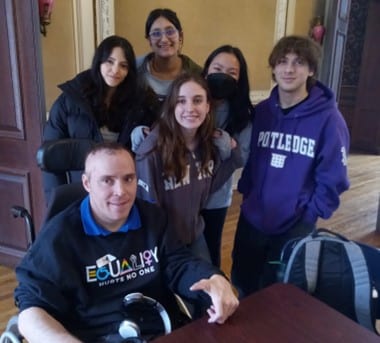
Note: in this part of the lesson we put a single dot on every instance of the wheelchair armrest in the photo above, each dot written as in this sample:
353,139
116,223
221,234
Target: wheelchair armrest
22,212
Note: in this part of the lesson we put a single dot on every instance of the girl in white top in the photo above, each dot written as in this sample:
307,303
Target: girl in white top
159,68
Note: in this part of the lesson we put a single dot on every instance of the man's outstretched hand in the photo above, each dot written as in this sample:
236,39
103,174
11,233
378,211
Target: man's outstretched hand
224,301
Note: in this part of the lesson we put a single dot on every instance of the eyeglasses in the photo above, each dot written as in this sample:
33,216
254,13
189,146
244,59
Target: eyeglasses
169,32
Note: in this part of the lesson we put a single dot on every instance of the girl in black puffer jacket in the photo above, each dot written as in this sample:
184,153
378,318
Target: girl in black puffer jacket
101,103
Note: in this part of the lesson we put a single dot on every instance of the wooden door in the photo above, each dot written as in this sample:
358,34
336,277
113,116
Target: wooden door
21,112
366,127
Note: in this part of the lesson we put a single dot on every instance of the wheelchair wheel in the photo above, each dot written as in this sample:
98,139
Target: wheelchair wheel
11,335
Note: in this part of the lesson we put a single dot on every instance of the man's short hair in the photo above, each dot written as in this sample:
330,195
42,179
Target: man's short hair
108,147
303,47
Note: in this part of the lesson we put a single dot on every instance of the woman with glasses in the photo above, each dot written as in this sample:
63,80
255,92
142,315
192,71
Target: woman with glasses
158,69
226,73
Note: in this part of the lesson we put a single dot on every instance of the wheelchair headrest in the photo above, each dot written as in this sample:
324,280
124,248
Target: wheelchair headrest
62,155
63,196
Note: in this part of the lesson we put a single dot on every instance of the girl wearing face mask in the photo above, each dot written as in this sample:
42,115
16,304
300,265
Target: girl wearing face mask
226,72
101,103
159,68
178,164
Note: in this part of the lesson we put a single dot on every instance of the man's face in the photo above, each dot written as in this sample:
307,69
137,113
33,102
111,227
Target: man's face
291,73
110,180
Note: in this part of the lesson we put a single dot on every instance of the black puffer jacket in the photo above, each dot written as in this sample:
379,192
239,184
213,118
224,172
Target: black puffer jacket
72,116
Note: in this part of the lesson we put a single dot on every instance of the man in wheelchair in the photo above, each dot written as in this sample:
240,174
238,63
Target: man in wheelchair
88,257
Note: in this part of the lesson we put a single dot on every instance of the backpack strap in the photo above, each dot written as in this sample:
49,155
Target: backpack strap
363,291
360,273
312,251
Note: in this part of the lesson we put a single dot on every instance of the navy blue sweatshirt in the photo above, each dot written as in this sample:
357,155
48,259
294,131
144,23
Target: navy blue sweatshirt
81,280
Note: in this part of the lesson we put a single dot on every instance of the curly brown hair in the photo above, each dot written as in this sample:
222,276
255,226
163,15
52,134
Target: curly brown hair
304,47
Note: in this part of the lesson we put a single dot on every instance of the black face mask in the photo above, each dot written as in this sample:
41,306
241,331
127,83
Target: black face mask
222,86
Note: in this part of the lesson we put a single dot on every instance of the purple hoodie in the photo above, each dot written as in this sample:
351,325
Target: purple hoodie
297,166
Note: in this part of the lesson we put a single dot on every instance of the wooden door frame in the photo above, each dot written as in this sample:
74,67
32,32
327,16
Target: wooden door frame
19,142
337,15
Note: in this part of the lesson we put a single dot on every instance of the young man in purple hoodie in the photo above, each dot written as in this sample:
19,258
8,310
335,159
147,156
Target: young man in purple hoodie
297,166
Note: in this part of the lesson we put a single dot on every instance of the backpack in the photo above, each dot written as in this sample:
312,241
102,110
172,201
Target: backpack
341,273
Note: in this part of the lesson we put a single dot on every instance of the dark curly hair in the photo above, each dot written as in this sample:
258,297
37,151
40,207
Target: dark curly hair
304,47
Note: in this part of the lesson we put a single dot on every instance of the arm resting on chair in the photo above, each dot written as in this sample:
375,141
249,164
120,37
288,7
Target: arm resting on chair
36,325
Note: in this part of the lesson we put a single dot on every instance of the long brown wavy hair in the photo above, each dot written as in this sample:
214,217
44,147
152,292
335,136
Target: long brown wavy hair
171,143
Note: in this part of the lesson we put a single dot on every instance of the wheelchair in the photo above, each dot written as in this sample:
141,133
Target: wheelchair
11,333
62,157
58,157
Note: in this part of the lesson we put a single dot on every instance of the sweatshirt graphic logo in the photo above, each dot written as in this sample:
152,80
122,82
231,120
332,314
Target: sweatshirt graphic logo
285,142
171,183
277,160
143,184
344,155
109,269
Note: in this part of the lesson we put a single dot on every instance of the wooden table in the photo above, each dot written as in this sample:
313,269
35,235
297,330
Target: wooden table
279,313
